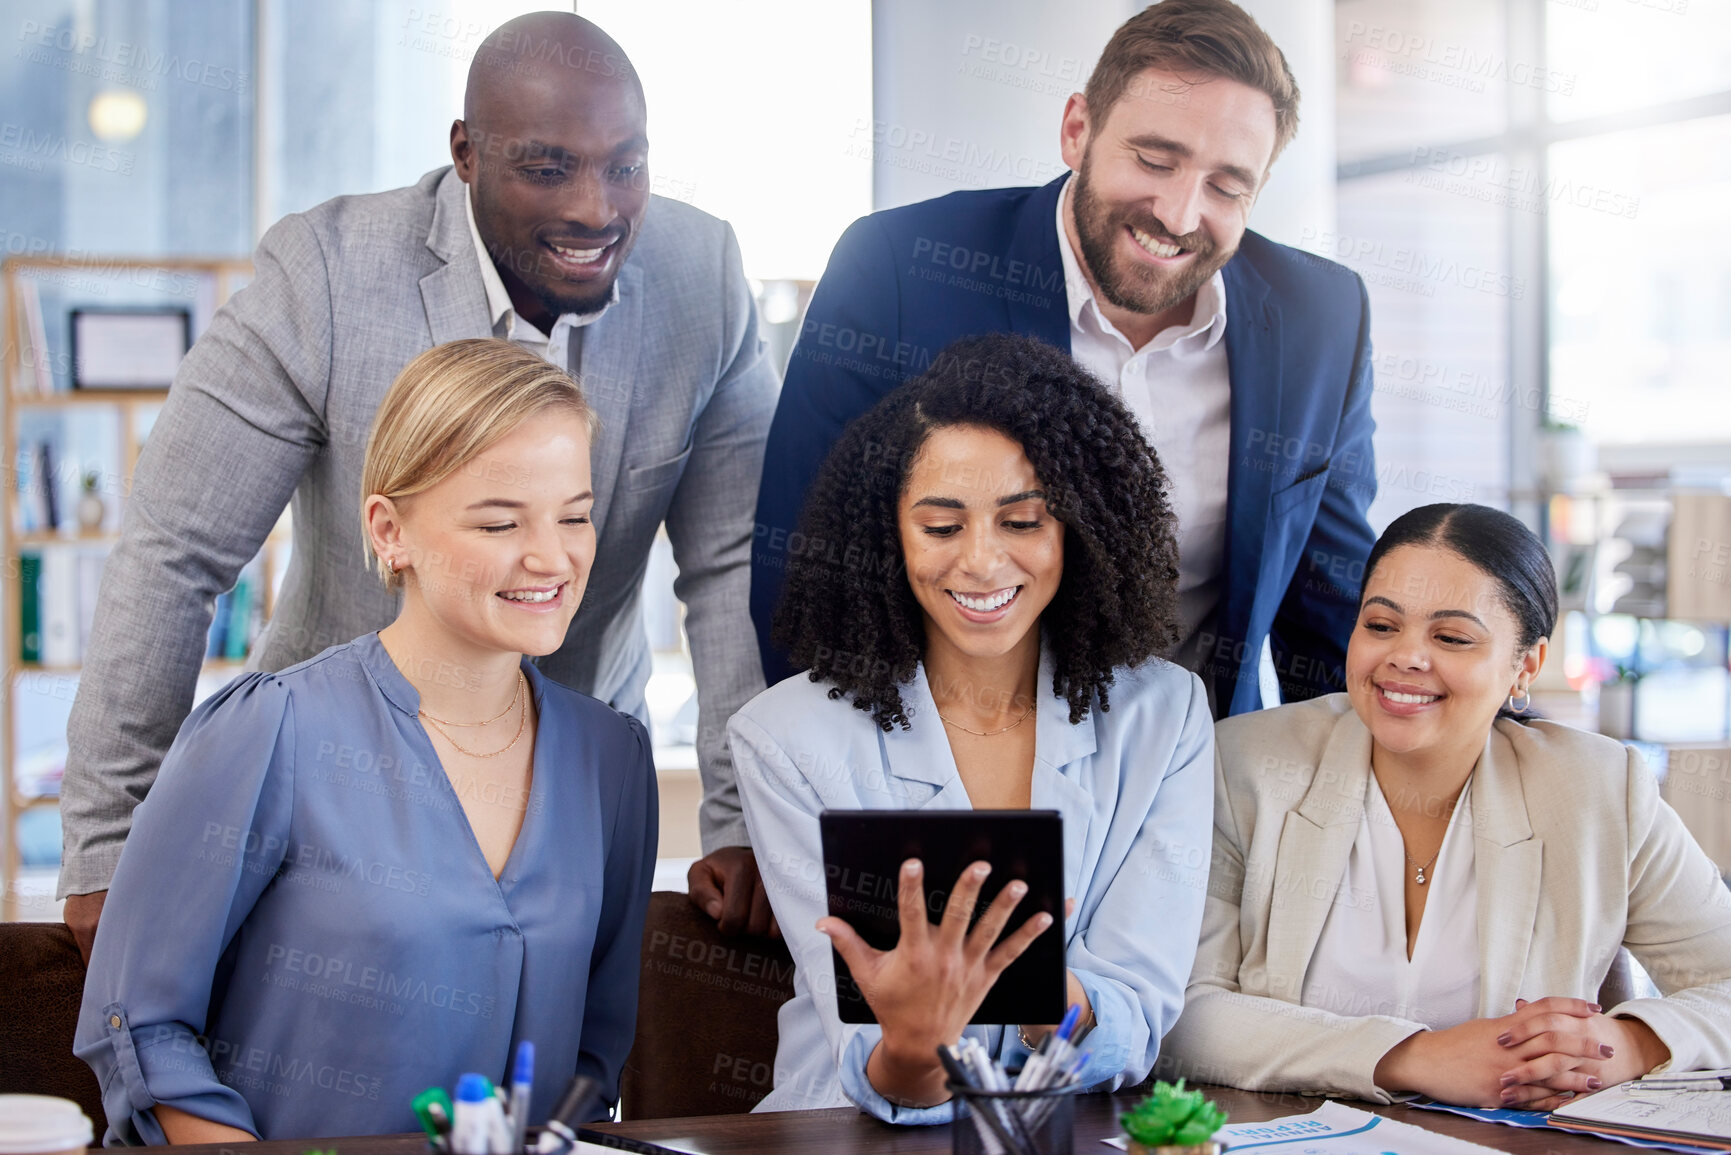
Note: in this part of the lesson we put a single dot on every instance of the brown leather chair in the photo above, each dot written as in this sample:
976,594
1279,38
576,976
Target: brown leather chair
706,1009
41,985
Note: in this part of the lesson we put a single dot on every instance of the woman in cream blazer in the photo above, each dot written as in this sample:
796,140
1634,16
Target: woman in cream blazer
1560,853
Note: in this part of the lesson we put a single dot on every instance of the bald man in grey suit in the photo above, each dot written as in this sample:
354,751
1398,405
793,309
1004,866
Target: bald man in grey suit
543,232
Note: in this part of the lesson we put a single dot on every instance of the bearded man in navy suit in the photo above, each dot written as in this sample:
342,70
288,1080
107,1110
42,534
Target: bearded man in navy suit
1247,363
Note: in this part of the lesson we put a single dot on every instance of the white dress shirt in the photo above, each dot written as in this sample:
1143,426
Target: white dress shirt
1134,786
1360,965
1179,388
554,347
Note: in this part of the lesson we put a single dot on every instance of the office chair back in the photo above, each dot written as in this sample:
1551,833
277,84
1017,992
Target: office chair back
41,985
706,1010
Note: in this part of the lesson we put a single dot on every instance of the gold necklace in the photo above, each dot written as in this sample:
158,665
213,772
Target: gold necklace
508,708
989,733
522,722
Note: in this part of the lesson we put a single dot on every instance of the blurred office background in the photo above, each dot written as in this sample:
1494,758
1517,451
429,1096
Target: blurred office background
1532,190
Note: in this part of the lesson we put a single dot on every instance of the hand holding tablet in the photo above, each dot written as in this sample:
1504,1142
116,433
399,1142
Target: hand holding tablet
917,953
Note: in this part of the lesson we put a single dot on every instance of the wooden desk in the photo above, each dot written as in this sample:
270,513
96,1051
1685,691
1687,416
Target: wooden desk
844,1131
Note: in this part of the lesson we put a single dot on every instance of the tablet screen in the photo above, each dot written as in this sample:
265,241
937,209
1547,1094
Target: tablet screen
863,851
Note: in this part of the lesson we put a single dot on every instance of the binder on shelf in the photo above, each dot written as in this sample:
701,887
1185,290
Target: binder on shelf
36,372
30,623
46,482
58,606
35,487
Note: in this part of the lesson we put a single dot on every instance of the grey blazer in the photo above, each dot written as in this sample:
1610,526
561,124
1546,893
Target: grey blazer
272,407
1575,856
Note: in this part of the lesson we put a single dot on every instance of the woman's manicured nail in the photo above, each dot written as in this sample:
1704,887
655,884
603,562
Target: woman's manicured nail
1017,889
1606,1050
1503,1039
911,868
1508,1096
1596,1007
1507,1081
1594,1083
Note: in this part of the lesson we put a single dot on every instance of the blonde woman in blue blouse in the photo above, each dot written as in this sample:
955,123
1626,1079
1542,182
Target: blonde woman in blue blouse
368,873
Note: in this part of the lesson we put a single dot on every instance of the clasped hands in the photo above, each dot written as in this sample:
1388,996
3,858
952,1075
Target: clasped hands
925,990
1535,1059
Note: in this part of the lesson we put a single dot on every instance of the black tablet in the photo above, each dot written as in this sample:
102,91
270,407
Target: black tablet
863,851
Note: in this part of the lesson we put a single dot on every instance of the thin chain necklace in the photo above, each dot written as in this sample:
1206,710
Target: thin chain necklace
522,722
989,733
509,706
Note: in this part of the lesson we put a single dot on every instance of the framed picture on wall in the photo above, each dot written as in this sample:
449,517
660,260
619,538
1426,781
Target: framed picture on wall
128,348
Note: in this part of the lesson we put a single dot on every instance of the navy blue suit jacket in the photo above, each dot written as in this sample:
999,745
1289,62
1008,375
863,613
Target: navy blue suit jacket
904,283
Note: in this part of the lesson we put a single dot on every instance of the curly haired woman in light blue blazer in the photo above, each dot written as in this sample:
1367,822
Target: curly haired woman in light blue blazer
986,573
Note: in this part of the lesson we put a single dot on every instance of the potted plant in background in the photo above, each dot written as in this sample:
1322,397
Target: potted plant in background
1617,701
91,510
1172,1120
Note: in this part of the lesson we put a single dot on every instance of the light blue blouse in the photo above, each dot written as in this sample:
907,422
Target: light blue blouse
1135,787
303,934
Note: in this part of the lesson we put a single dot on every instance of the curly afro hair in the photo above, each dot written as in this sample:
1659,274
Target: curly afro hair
848,614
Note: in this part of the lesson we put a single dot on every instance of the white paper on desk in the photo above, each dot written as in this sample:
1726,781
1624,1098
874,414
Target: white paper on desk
1513,1118
1336,1129
1706,1113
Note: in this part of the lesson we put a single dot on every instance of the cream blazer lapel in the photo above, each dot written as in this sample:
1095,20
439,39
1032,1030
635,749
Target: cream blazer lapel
1508,865
1315,842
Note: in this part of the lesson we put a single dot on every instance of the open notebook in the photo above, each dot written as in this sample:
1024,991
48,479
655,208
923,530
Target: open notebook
1673,1107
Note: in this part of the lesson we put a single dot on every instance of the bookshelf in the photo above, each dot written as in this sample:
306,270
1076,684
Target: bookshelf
35,385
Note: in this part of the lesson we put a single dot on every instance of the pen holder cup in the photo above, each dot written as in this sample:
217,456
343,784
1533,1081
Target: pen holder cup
530,1139
1012,1122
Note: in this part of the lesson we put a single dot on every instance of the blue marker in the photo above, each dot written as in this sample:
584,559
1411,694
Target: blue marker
471,1131
1071,1016
522,1080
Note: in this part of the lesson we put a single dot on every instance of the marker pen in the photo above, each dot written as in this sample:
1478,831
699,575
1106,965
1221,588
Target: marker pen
472,1127
522,1081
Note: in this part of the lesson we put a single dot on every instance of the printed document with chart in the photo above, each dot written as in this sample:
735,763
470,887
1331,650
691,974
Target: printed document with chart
1336,1129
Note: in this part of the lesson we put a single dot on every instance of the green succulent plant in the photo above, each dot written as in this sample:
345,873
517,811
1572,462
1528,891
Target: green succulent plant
1172,1117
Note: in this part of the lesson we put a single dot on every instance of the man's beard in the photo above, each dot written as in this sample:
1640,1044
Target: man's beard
558,304
532,271
1128,284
